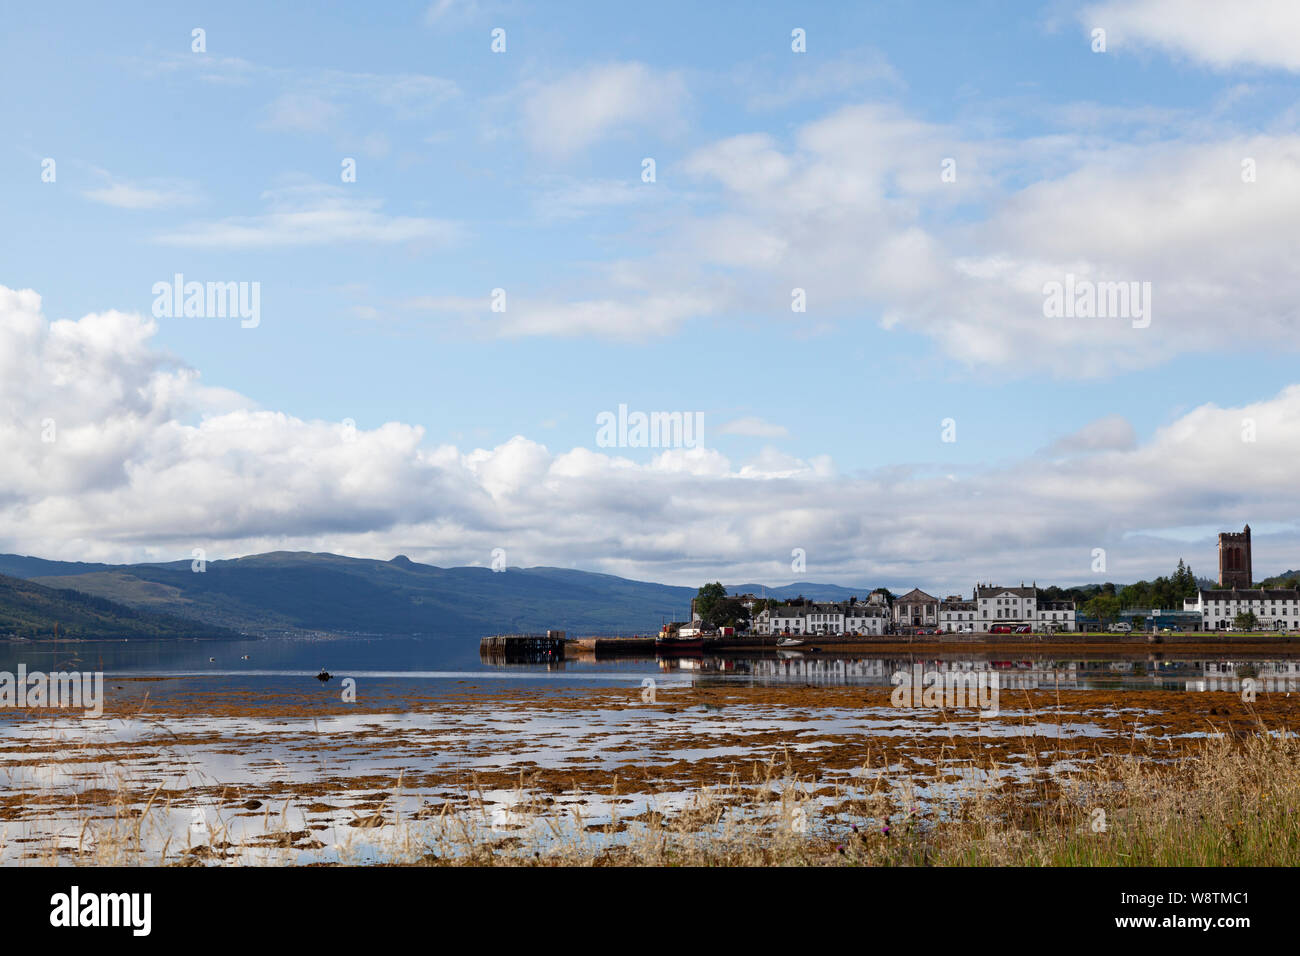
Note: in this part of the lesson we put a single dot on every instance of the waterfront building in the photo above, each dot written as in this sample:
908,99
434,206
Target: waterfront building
1275,609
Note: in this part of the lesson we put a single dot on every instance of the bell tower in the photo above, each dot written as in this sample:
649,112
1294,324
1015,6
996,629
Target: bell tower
1234,559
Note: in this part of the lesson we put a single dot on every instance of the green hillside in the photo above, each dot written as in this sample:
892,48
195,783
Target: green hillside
32,611
297,592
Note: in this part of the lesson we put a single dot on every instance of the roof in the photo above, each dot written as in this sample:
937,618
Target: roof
916,595
866,610
990,591
1250,594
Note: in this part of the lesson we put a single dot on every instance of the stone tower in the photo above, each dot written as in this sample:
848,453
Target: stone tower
1234,559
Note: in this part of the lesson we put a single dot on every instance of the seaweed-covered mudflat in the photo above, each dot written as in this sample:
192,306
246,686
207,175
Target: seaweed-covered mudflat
694,772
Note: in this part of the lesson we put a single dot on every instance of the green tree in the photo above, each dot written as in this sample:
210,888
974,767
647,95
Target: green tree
706,597
727,612
1185,582
1105,608
1246,621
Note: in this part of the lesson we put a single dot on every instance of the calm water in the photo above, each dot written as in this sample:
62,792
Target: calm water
452,664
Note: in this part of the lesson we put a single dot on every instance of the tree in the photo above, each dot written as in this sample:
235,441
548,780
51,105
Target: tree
1185,582
706,597
1246,621
1104,608
727,612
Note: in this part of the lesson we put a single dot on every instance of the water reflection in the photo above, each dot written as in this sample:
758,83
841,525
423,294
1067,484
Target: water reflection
1151,672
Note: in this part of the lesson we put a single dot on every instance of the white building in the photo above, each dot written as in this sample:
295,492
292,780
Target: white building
1022,605
869,618
1274,608
848,617
956,614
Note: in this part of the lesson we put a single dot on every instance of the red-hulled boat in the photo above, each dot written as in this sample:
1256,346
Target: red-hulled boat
669,643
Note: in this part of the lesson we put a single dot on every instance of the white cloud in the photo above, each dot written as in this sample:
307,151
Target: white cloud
151,194
1112,433
1220,35
312,214
148,464
565,116
854,211
629,319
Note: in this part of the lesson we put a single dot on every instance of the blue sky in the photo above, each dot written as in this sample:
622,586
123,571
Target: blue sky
774,170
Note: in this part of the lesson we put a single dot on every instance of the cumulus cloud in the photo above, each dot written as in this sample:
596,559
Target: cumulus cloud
147,463
1220,35
853,209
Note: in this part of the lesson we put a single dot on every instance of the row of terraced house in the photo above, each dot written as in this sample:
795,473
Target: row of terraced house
990,608
993,609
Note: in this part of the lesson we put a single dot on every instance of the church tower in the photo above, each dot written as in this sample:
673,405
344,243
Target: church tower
1234,559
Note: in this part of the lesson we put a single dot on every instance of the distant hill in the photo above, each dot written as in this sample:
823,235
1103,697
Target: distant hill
35,612
289,592
1280,580
292,592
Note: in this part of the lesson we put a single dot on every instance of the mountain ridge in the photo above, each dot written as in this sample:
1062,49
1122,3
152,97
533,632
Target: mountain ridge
32,611
303,591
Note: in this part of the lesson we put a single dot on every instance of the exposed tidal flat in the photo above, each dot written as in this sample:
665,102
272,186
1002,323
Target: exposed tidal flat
470,768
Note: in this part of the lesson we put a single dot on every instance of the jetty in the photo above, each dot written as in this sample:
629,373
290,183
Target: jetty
537,648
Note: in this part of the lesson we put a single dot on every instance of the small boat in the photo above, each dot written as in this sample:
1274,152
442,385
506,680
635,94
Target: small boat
789,642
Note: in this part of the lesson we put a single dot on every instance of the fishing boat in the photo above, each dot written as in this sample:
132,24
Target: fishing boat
789,642
685,640
664,644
